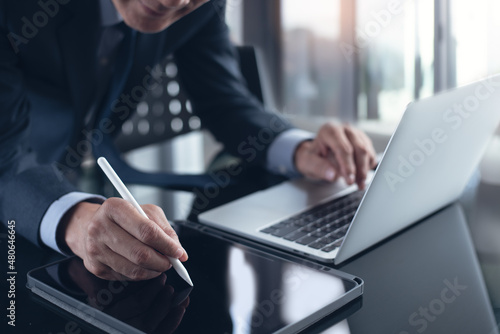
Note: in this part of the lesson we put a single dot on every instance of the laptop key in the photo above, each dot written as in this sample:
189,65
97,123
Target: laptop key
319,234
295,235
340,233
310,218
328,248
344,228
316,245
282,224
328,240
301,222
329,228
284,231
333,245
337,223
331,217
268,230
306,240
318,224
308,228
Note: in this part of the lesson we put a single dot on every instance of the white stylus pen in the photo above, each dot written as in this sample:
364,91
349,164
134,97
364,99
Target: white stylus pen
126,195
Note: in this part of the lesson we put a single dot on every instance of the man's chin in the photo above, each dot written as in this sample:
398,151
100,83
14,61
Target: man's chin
148,26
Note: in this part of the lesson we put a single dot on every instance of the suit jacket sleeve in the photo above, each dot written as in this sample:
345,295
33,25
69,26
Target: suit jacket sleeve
209,71
26,188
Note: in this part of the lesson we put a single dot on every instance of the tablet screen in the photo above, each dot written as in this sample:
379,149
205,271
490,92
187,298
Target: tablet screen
236,290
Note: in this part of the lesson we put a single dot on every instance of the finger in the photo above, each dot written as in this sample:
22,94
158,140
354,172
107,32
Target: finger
142,228
338,143
371,150
361,155
320,148
121,242
319,168
124,267
157,215
103,271
331,159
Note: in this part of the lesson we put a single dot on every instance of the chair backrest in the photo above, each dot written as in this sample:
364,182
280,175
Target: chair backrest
166,111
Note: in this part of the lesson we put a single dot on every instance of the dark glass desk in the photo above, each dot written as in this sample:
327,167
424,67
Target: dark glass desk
439,276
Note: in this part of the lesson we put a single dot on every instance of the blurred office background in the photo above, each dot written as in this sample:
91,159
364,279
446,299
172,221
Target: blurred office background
360,61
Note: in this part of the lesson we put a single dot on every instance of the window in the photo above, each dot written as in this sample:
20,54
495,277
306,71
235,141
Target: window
389,56
234,12
395,45
367,59
475,28
311,57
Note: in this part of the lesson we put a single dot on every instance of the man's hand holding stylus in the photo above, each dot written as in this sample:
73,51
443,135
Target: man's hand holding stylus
116,242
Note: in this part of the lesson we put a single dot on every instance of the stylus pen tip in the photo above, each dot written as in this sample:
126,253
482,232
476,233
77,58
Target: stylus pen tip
185,276
181,270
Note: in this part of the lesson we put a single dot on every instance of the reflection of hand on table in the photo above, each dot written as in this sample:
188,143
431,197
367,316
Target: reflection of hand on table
151,306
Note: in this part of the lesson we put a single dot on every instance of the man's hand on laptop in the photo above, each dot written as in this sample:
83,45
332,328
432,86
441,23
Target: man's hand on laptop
337,151
116,242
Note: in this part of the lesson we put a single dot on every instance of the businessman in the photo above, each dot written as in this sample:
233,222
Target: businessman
69,67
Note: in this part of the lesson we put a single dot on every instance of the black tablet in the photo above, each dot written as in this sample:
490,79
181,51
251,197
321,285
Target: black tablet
238,288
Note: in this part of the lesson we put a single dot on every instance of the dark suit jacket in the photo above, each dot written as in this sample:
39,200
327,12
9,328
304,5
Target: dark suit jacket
47,77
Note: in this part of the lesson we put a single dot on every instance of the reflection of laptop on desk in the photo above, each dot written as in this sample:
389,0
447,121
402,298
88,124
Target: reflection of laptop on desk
429,159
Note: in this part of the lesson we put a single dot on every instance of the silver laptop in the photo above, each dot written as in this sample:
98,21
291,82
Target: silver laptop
427,164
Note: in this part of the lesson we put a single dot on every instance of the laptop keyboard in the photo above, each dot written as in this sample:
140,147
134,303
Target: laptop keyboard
322,227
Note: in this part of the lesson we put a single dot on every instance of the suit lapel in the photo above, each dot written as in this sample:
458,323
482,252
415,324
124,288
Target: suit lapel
78,39
124,61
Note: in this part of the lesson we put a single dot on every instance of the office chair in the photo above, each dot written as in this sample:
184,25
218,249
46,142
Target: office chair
166,113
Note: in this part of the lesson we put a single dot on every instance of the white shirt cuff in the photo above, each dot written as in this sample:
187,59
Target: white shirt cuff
282,149
56,211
